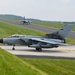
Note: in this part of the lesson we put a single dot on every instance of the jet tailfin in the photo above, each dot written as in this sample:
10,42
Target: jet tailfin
61,33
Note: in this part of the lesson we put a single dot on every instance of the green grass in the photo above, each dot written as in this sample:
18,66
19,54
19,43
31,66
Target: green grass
54,66
70,41
12,65
8,29
51,24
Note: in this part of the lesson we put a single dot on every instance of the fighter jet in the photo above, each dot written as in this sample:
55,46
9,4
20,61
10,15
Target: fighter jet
24,21
52,40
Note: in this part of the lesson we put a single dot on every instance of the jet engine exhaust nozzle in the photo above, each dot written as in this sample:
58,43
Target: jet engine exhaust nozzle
1,40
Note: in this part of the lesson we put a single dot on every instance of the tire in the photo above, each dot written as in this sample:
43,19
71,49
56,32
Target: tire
38,49
13,48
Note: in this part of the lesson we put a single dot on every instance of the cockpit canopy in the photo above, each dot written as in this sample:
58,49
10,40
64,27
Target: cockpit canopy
16,36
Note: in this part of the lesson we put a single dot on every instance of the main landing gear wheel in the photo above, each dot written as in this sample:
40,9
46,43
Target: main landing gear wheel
38,49
13,47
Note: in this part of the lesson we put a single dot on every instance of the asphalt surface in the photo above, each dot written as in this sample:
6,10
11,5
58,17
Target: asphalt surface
64,52
37,27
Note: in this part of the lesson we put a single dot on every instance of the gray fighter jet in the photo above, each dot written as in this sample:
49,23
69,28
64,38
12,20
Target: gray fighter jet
24,21
48,41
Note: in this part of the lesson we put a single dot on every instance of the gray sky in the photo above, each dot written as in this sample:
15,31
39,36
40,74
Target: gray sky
52,10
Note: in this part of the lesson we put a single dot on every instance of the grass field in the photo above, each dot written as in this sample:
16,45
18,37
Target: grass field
12,65
8,29
51,24
70,41
54,66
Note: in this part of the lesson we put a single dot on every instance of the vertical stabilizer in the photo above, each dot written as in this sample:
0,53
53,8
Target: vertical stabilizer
64,30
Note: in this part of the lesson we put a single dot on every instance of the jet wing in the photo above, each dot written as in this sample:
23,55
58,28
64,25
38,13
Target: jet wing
22,42
49,41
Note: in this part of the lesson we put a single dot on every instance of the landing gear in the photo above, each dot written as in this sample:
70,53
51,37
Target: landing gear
38,49
13,47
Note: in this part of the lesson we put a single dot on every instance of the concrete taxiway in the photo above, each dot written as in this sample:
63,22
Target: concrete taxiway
60,52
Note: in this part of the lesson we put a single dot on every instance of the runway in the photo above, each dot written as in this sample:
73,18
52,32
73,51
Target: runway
36,27
64,52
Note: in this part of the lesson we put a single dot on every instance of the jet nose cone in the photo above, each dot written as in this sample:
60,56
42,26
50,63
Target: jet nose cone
1,40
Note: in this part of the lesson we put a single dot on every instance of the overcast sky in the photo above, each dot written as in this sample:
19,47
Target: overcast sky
52,10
